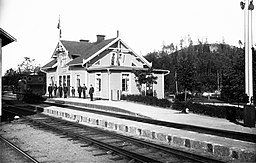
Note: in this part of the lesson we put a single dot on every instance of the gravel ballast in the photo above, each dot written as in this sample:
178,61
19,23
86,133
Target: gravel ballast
46,146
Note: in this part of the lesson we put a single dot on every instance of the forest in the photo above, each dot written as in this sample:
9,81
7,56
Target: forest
204,67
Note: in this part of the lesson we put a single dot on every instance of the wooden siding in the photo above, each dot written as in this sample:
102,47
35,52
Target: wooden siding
105,60
129,59
73,79
105,85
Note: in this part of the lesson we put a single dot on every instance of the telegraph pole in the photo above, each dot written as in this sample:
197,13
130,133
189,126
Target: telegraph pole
248,7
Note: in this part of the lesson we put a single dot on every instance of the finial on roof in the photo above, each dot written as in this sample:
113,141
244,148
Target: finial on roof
117,33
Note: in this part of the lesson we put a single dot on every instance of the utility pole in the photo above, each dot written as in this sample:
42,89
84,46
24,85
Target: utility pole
176,82
248,7
249,109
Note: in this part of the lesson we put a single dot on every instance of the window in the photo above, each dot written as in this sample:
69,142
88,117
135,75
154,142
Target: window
68,80
63,58
52,80
60,80
125,82
113,59
123,59
78,80
64,80
98,82
117,59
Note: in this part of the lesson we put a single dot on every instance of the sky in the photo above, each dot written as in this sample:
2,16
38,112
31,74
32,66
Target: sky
144,25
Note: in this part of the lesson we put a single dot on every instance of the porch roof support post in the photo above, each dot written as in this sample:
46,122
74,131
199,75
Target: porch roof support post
109,88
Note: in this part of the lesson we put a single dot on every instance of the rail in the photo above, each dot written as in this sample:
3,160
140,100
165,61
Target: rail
20,151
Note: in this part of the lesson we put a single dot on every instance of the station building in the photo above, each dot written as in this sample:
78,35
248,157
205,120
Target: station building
106,64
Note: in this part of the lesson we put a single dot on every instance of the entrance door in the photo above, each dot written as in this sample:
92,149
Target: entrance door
98,85
68,84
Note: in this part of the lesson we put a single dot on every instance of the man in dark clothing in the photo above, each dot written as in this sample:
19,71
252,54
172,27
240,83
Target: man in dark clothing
50,91
65,91
84,90
91,91
55,90
73,91
79,89
60,91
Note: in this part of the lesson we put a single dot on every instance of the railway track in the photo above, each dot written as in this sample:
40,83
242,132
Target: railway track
204,130
126,147
10,148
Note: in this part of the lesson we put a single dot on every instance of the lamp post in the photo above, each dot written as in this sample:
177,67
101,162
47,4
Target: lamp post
248,6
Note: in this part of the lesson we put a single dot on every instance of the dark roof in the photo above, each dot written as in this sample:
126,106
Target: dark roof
6,37
86,50
50,64
75,47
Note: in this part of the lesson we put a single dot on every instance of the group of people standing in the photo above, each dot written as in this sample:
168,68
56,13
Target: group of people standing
64,90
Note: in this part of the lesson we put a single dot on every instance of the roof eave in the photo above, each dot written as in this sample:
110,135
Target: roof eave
99,51
7,38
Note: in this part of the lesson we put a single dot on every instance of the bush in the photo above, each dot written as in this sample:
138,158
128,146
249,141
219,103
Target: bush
181,97
149,100
228,112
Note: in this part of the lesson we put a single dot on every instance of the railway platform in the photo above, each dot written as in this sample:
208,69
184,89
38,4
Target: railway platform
210,145
163,114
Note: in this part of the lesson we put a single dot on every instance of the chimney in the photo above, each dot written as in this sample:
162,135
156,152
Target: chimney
82,40
100,38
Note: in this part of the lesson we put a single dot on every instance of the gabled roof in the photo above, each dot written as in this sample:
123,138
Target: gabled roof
75,47
88,51
51,64
85,51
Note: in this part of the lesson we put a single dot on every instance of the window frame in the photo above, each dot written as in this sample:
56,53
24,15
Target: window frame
98,88
128,83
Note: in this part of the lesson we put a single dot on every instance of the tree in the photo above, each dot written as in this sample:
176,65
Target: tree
27,66
185,76
204,67
11,77
145,77
10,72
233,89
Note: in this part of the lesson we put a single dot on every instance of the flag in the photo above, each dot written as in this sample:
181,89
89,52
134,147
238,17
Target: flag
60,33
58,24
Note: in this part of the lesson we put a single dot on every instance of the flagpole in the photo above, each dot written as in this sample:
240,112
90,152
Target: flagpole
59,27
